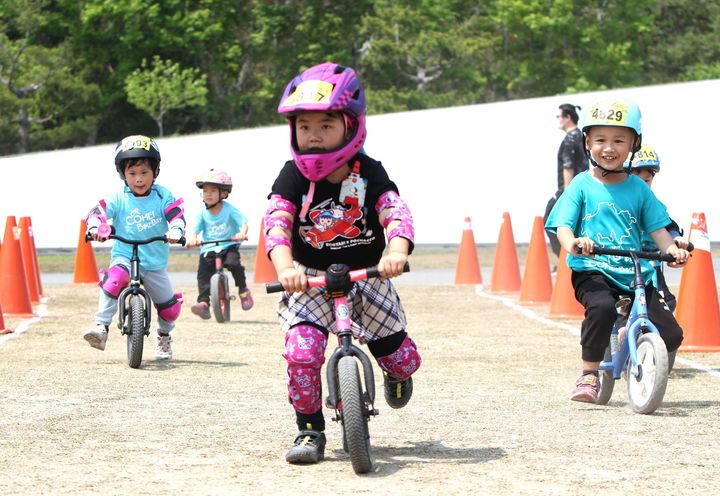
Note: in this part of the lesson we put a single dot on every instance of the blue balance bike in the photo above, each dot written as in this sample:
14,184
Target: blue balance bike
636,349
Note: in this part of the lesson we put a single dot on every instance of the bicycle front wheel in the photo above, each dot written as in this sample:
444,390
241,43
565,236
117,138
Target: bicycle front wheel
353,414
136,331
607,381
647,389
219,297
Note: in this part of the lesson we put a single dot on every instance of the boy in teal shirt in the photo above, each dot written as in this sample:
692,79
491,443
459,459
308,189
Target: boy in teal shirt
612,208
219,220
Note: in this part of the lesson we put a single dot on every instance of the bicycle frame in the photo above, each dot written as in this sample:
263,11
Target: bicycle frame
638,320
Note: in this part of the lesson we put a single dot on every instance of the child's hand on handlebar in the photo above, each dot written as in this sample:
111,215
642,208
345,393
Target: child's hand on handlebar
392,265
293,280
681,242
582,246
174,235
681,255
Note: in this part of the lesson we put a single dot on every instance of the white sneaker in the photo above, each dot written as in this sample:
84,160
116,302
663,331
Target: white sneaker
163,348
97,336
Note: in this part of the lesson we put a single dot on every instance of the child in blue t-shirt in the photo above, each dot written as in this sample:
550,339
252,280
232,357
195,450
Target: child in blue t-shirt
645,166
142,210
611,208
219,220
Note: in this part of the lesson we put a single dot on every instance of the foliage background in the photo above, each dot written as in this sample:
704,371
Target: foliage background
65,64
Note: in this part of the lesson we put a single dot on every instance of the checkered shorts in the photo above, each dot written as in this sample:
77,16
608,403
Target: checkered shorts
376,308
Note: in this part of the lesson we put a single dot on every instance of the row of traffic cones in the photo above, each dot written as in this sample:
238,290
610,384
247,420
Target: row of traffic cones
698,311
20,284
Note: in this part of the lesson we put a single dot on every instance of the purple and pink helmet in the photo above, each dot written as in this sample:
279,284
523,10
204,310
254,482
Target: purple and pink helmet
326,87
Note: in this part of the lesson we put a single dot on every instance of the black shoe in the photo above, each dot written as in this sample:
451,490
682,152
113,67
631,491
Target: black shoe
397,393
309,448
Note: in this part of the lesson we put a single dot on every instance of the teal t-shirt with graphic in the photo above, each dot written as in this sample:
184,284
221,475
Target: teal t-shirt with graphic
224,225
613,216
139,218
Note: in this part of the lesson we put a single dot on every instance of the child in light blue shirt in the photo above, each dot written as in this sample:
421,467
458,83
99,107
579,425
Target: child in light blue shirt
142,210
219,221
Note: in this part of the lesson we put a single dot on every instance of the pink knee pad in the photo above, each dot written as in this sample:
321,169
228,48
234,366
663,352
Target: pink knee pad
403,362
170,310
305,354
114,280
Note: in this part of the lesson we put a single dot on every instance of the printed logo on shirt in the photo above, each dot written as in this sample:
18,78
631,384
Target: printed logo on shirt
334,225
141,221
218,231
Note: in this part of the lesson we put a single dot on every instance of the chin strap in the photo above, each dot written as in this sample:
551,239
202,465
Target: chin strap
605,172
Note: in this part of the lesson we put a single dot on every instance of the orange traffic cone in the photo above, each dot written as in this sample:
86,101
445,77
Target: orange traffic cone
467,270
28,261
264,269
86,271
13,285
3,329
537,285
697,309
563,304
506,269
26,224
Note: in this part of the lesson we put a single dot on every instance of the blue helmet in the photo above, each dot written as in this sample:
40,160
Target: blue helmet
646,158
620,112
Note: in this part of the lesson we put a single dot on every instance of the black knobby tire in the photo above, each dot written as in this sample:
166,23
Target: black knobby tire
354,418
646,394
136,331
219,297
607,381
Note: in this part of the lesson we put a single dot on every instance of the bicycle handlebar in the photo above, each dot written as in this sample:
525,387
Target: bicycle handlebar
319,281
648,255
162,238
218,241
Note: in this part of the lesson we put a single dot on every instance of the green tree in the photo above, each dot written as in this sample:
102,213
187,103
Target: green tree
163,87
43,88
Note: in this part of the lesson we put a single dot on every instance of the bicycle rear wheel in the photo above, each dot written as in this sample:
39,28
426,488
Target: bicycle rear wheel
136,331
646,391
220,298
353,414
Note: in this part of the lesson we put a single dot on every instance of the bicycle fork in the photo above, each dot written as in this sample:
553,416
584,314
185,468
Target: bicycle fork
347,348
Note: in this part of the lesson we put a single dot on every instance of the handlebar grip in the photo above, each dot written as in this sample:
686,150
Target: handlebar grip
690,247
374,272
274,287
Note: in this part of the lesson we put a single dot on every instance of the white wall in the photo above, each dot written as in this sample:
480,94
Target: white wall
477,161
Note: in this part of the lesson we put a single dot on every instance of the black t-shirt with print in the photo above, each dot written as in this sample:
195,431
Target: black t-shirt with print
336,230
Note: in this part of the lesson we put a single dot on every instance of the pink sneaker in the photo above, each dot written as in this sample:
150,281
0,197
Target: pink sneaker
246,300
586,389
201,309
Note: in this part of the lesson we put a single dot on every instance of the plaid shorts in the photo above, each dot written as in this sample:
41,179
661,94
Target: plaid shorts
376,308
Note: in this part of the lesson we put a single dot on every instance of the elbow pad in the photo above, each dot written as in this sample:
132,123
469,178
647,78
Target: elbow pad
399,211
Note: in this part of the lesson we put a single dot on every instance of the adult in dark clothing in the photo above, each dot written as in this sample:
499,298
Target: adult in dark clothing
571,159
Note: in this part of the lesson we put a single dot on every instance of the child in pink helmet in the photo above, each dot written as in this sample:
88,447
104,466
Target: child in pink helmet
219,220
334,204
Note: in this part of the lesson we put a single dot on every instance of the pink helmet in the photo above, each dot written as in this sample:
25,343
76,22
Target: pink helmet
326,87
221,179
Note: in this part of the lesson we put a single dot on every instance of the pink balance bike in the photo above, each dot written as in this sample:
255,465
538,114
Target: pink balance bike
352,398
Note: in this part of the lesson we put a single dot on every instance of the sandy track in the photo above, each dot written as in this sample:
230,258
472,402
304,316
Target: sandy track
490,412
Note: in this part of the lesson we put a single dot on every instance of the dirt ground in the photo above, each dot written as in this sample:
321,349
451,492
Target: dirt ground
490,412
